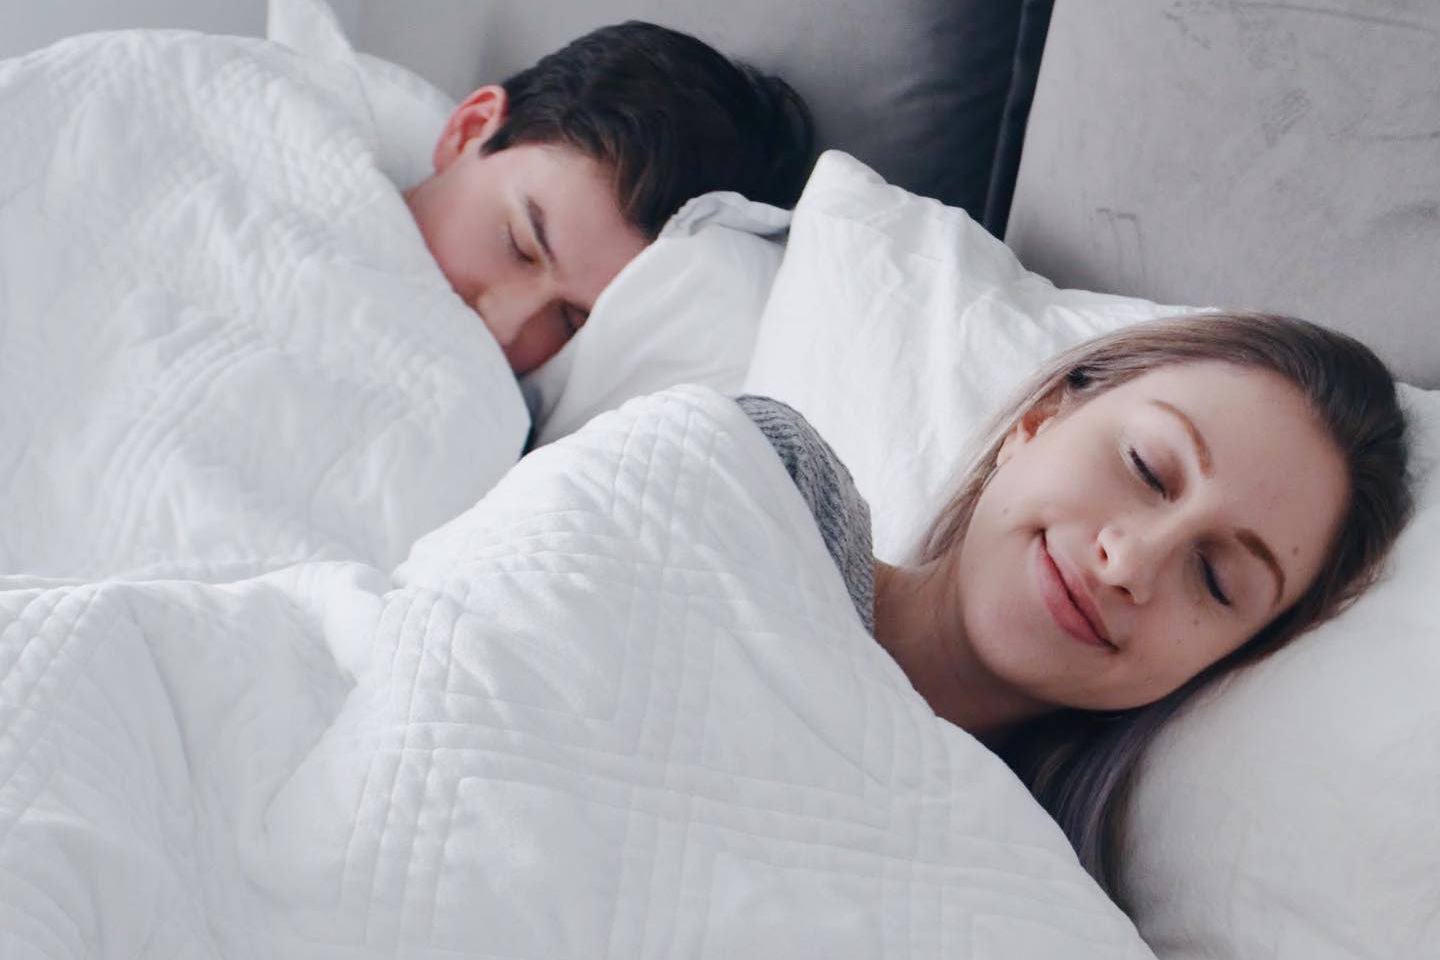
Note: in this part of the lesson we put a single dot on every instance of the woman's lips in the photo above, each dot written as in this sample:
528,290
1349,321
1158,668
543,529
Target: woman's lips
1061,603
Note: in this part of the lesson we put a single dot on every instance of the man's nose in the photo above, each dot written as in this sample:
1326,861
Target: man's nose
507,308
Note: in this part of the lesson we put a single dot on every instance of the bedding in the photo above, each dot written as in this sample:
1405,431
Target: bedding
408,111
224,347
896,324
1290,813
623,705
528,741
685,310
1293,814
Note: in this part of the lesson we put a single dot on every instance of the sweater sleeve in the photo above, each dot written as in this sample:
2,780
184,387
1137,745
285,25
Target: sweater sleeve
840,512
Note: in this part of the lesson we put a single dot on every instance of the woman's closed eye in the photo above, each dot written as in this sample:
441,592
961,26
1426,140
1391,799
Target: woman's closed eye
1152,480
1143,471
1212,581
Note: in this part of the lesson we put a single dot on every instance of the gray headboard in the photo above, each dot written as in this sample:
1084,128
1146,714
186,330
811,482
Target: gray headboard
1280,156
917,89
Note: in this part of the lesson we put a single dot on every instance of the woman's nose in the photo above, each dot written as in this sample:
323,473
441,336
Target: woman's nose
1129,559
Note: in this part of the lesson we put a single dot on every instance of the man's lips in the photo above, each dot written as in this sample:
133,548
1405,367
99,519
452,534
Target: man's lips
1068,603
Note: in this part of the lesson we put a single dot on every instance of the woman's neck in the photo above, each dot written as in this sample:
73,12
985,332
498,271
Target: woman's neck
919,623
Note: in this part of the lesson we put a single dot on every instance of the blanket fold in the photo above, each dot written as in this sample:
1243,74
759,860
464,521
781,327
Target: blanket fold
623,706
224,347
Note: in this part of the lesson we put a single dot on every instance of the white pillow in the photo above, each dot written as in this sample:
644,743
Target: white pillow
1292,814
896,324
684,311
1297,812
408,111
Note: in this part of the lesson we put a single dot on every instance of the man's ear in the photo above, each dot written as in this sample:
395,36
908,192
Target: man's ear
1028,427
476,119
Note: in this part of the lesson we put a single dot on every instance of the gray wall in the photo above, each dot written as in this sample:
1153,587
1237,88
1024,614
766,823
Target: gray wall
442,40
28,24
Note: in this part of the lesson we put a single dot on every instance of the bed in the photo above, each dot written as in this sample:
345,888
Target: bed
300,658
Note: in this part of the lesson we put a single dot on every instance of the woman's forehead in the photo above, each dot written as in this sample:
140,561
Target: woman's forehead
1254,438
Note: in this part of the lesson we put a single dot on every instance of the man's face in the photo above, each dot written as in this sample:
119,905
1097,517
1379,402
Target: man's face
527,236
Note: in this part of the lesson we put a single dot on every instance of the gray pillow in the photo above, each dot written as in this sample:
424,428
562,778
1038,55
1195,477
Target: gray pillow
914,88
1266,155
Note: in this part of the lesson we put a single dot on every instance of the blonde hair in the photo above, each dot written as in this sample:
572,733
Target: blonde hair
1081,765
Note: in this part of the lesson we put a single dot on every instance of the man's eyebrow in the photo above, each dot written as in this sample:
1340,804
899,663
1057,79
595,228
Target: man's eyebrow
1251,541
1202,449
536,216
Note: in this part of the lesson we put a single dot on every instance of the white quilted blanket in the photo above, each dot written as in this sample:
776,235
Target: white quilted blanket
223,345
622,707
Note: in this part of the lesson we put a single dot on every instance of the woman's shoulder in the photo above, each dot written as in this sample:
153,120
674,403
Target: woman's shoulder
840,511
783,425
810,460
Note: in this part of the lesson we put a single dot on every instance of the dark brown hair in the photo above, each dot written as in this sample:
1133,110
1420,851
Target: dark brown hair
1081,765
670,116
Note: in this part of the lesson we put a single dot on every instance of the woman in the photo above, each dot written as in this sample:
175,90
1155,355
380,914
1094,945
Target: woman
1163,504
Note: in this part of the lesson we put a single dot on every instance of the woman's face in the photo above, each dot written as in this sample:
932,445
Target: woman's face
1127,542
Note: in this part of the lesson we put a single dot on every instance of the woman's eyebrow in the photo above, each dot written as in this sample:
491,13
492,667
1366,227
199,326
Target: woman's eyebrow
1248,539
1251,541
1202,449
536,215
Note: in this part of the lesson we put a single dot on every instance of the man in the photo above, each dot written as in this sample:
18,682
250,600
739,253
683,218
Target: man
547,185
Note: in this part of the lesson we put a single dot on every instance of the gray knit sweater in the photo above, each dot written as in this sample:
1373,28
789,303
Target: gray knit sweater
840,512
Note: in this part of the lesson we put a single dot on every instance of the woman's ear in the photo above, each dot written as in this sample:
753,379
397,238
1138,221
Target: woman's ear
477,118
1028,427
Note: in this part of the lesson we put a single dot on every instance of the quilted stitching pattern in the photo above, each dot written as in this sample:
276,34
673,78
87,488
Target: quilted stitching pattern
622,707
223,345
